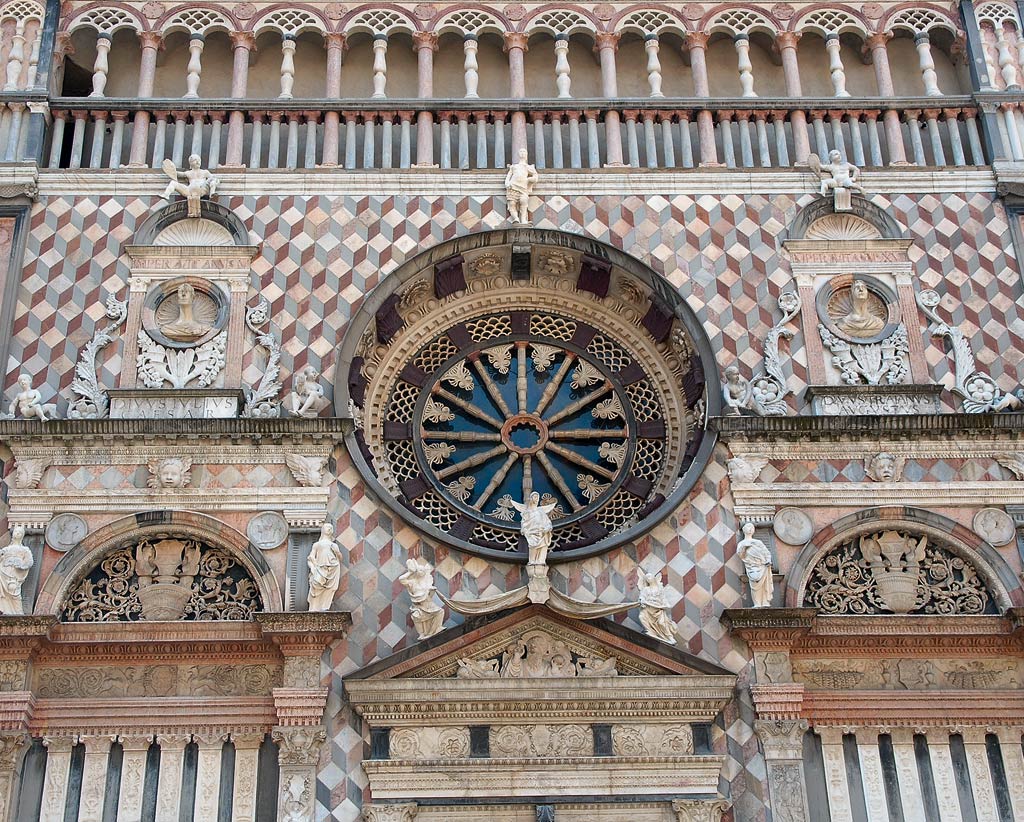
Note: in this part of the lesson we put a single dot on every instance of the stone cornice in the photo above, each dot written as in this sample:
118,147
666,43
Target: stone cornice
914,709
48,501
910,427
753,498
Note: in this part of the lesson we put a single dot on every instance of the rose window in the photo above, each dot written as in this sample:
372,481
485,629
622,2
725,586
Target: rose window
469,404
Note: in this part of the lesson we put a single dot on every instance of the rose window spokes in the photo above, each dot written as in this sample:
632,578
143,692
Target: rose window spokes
569,414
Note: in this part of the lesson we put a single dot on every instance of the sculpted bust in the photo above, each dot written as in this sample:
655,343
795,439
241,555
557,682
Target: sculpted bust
859,320
186,327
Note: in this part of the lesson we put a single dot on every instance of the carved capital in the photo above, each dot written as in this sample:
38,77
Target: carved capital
697,40
337,40
404,812
699,810
61,744
11,747
424,40
154,40
247,741
781,738
172,742
878,40
243,40
97,743
516,40
787,39
299,746
606,40
135,742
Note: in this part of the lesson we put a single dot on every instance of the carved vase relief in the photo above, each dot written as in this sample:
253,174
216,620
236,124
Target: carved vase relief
164,579
896,572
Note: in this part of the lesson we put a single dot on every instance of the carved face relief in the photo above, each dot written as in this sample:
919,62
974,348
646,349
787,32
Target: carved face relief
170,473
181,313
857,312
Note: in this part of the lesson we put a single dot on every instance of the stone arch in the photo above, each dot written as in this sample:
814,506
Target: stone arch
77,563
655,327
163,218
201,19
108,19
377,21
560,20
471,20
1000,580
864,209
289,21
650,20
739,20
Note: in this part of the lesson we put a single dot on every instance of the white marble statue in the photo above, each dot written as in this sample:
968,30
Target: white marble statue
654,608
536,526
836,173
307,397
519,183
28,403
198,183
737,392
418,580
757,560
15,563
324,563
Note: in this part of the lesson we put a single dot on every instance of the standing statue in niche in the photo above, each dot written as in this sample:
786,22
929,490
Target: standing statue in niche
757,560
198,183
307,397
28,403
654,608
837,176
519,183
15,563
418,580
324,563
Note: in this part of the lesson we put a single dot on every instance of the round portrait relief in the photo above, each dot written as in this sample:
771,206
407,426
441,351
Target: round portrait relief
184,313
858,309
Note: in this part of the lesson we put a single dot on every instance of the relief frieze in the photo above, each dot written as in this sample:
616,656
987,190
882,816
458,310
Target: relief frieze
908,674
157,680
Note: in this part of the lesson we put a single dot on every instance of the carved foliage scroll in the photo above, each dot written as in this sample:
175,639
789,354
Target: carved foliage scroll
896,572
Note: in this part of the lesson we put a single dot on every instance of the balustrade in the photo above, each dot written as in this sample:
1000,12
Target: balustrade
665,137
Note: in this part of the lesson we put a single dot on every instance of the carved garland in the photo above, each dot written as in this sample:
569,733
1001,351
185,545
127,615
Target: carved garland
896,572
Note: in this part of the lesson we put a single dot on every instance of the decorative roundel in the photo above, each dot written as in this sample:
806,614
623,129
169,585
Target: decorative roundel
471,400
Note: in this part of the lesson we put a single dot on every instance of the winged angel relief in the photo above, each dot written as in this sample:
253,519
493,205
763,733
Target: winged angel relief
179,367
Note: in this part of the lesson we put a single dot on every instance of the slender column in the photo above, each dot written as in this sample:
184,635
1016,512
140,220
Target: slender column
299,751
16,58
606,45
515,45
697,46
480,124
77,139
445,129
336,45
116,141
94,777
944,776
857,138
539,154
785,42
57,139
871,774
650,141
274,149
369,135
563,80
33,59
779,127
55,782
835,65
133,774
312,118
956,145
931,118
981,777
746,152
387,126
746,68
924,55
498,117
914,127
761,128
685,144
151,42
652,47
287,66
1013,765
425,44
405,139
667,143
242,44
835,120
160,138
292,144
168,796
782,740
12,749
907,775
198,120
351,121
99,135
725,127
874,144
247,751
195,65
101,65
632,141
1007,66
835,774
380,66
256,140
211,746
876,43
470,66
1012,135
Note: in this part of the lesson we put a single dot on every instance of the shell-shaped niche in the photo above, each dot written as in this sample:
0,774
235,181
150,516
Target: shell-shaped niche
194,232
841,227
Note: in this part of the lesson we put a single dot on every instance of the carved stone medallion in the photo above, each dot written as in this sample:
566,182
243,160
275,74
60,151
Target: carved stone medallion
181,313
792,526
65,531
859,310
267,530
994,526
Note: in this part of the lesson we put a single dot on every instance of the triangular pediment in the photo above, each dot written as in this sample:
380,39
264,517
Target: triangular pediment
537,643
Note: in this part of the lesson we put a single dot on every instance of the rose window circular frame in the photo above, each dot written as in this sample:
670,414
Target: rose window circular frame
467,401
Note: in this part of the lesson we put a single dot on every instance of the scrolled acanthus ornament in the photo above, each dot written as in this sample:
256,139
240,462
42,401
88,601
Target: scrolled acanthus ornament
979,391
92,402
895,571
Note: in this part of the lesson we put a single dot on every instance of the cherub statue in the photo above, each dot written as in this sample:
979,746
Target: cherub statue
15,563
536,526
836,173
519,183
654,608
174,472
198,183
757,560
418,580
28,403
324,563
737,392
307,395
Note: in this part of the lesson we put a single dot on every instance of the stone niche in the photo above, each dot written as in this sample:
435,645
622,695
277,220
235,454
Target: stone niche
594,713
188,284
